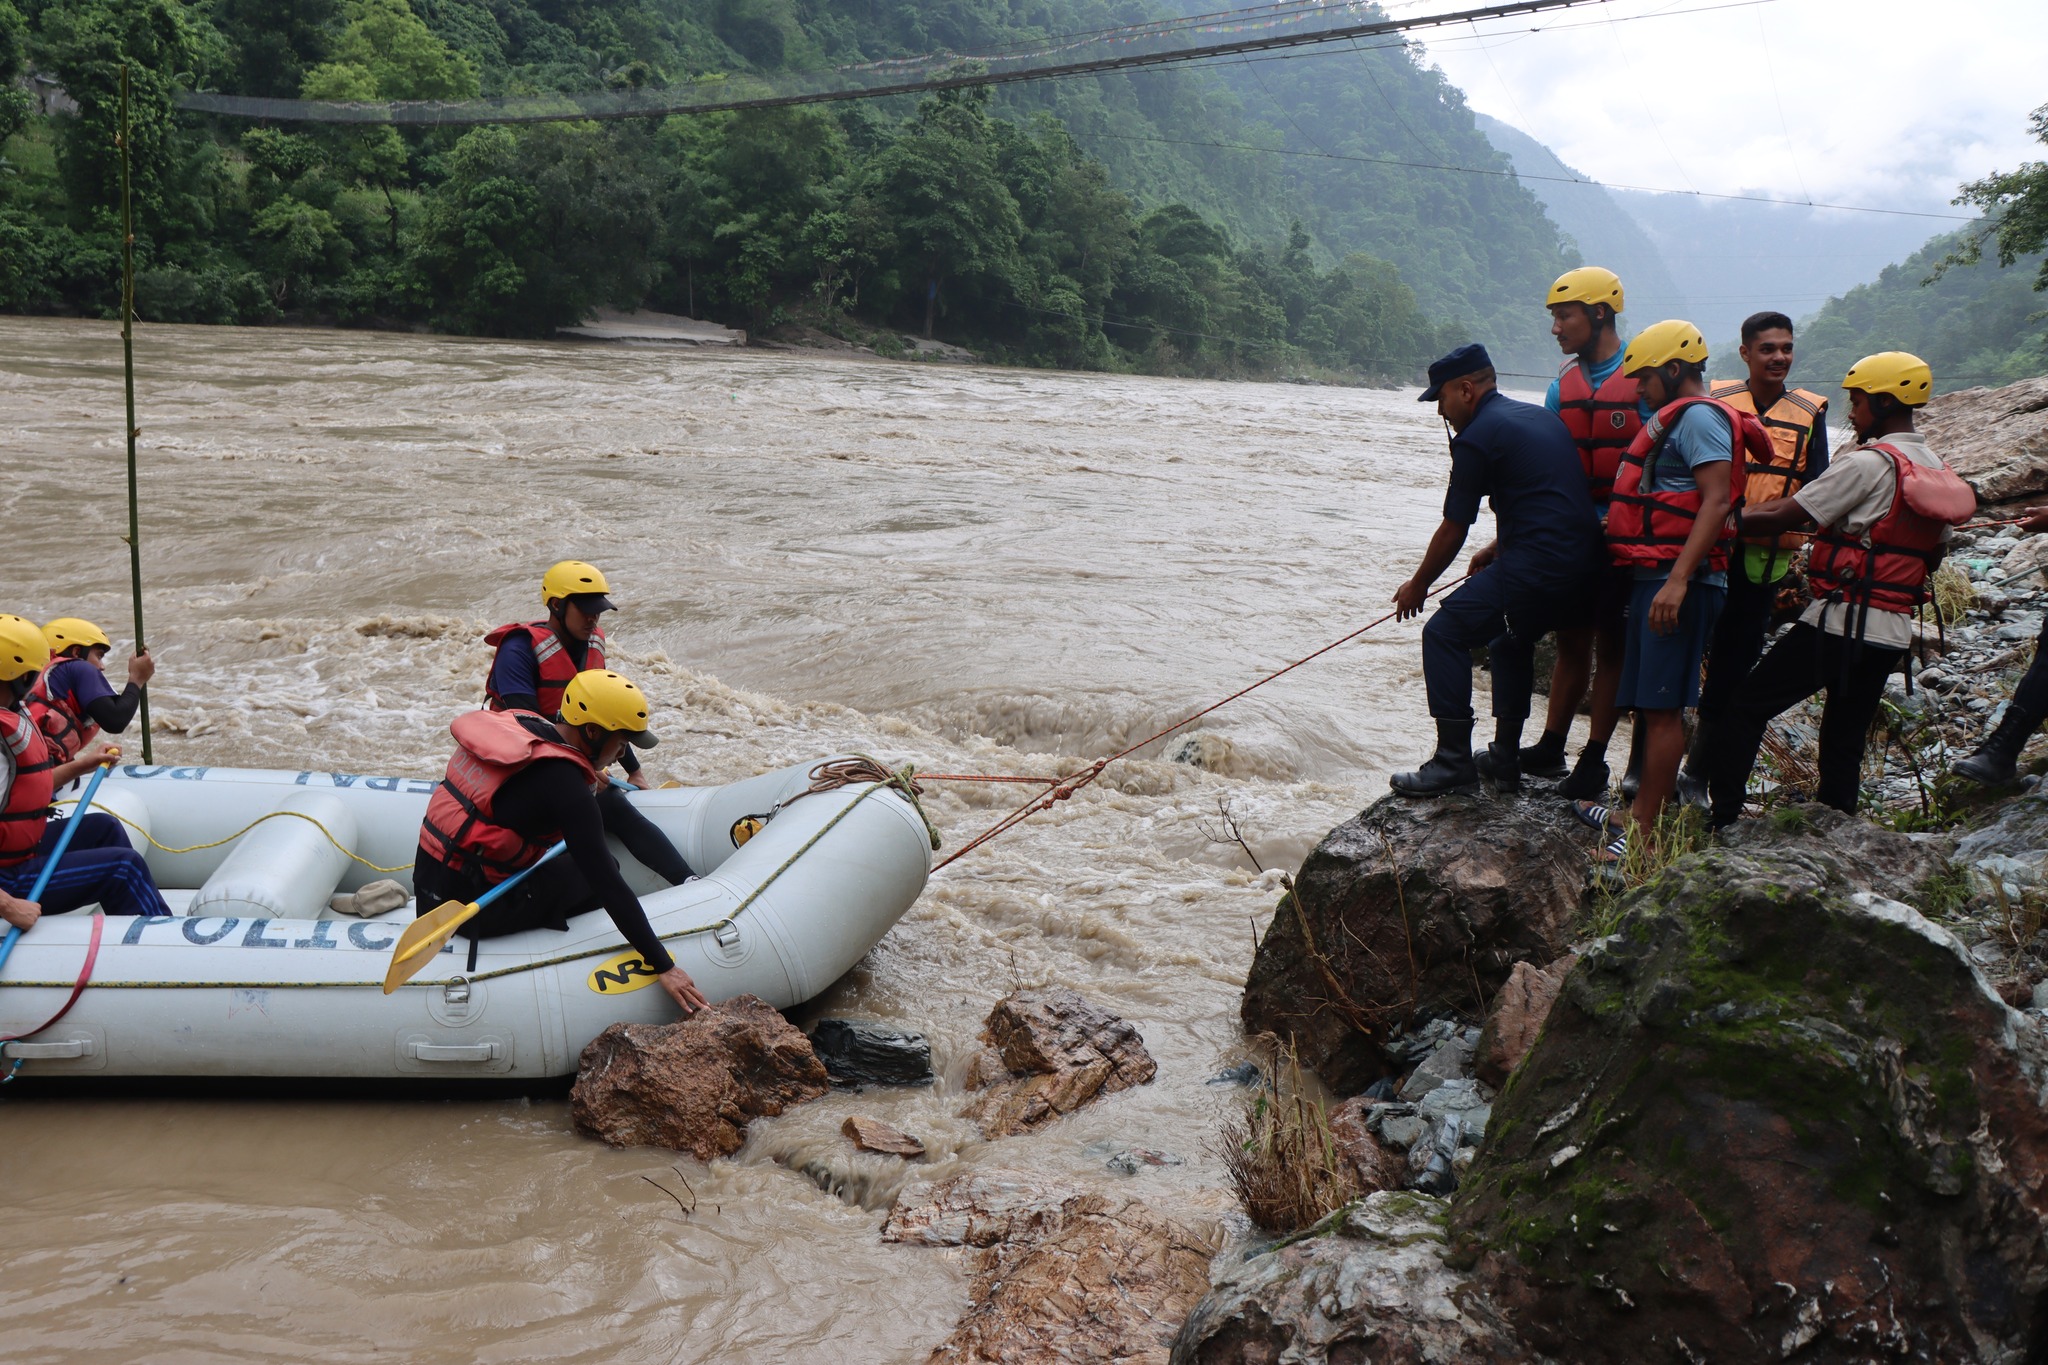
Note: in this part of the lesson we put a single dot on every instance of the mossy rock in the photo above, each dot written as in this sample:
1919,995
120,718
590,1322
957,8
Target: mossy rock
1772,1114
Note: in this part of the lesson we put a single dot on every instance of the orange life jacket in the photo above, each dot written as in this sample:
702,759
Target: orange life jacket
1648,529
1887,566
1789,422
460,831
556,666
27,812
67,728
1604,422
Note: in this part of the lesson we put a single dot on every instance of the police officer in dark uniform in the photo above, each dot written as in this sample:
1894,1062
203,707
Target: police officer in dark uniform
1536,576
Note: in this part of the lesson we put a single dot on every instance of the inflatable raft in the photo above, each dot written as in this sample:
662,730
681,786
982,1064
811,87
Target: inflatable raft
254,974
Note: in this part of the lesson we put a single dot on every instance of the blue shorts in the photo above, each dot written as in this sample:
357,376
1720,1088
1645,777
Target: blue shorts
1662,672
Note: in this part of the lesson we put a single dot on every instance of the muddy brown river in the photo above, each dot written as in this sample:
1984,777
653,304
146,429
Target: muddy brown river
971,569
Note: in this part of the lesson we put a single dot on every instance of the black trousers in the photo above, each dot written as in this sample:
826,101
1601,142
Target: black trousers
1738,640
1807,660
1506,616
2030,698
549,898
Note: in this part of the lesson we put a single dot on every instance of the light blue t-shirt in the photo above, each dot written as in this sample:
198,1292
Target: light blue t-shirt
1700,436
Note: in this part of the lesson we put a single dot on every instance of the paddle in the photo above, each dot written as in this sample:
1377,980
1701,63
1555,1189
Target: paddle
425,935
63,842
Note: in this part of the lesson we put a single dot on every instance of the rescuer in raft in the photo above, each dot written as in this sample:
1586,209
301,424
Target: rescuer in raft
100,868
71,702
1884,511
1797,422
1600,406
1520,459
535,662
515,785
1668,525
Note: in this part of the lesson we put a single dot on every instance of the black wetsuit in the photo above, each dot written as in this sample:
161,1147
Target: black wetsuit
551,799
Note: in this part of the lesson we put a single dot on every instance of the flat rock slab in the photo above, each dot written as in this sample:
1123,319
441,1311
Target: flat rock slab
694,1086
975,1209
1109,1281
1995,438
1047,1053
1516,1018
873,1135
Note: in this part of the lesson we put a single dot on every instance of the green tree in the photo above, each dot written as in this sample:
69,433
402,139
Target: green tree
2015,207
939,184
395,55
84,44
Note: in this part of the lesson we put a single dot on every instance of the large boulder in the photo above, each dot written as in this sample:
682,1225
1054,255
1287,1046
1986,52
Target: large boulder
1412,907
1047,1053
1909,868
1995,438
694,1086
1771,1115
1373,1287
1106,1280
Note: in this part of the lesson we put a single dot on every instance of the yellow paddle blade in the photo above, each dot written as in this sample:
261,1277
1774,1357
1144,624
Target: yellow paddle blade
423,938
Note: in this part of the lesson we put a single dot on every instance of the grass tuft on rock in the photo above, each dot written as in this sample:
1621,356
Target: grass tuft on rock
1282,1158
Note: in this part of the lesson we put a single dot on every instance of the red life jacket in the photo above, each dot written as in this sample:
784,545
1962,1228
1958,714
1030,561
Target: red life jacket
27,811
460,832
1603,421
67,728
1887,566
556,667
1649,529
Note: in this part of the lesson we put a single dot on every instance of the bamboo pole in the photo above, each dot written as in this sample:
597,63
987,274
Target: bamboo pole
128,376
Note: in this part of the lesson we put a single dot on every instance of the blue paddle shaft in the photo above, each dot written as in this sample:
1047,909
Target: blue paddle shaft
50,863
502,887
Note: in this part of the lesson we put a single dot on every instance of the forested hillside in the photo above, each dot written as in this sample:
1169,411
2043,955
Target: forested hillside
1088,222
1979,324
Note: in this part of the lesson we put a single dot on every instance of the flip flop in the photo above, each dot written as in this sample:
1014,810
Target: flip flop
1596,816
1614,853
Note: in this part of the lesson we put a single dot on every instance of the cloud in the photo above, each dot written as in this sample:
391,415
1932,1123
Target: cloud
1879,102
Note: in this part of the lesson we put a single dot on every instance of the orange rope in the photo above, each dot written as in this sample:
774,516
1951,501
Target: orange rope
1980,525
1066,787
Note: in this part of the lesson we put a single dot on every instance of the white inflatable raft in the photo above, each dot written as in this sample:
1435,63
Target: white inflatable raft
254,976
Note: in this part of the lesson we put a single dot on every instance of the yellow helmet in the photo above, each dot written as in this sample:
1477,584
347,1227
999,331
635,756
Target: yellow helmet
572,578
1902,375
1589,284
68,632
1661,343
23,650
600,697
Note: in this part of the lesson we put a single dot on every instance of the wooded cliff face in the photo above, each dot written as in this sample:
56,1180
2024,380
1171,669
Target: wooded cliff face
1116,221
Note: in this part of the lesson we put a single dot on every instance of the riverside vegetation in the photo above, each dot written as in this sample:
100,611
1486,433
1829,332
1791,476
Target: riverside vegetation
1091,224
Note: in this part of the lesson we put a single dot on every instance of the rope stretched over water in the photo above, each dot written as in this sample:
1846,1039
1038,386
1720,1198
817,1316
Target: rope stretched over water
1064,788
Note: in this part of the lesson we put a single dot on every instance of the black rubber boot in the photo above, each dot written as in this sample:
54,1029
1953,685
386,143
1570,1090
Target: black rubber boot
1544,758
1692,777
1500,767
1450,769
1588,781
1633,777
1997,760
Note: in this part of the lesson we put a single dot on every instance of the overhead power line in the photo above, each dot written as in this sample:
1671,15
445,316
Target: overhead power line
1291,23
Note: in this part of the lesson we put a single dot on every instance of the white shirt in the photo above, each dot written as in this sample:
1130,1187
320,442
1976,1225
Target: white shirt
1854,495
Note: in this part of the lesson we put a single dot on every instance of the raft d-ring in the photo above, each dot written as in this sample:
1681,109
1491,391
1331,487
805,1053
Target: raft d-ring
725,933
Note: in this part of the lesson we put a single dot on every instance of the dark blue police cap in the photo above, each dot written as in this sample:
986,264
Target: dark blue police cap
1465,360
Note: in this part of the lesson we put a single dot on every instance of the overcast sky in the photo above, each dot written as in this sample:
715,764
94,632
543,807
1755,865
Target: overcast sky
1886,102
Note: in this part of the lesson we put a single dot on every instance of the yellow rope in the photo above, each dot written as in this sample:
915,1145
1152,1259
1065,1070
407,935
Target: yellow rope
200,848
